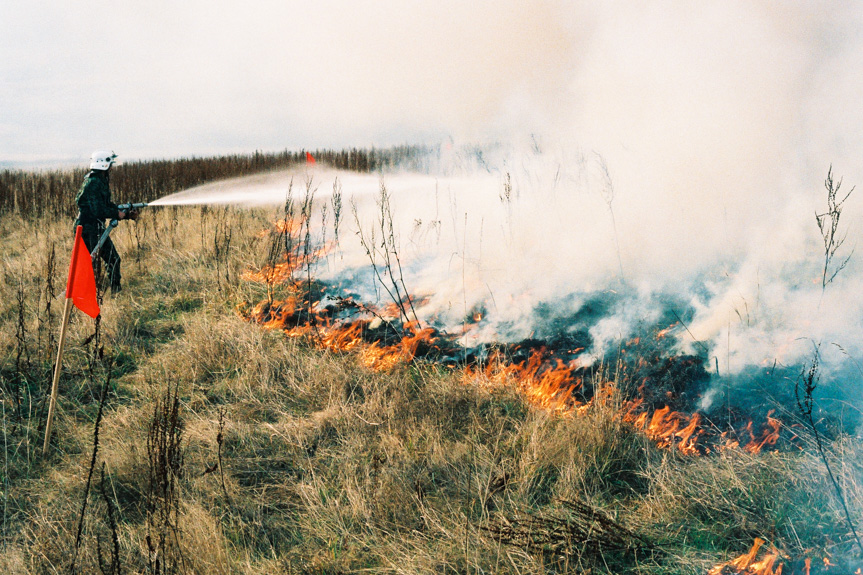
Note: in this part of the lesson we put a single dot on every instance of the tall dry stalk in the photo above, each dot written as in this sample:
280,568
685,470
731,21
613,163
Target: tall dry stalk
114,567
337,207
165,470
5,467
828,224
387,270
222,234
86,497
282,243
608,197
306,223
804,390
46,318
22,349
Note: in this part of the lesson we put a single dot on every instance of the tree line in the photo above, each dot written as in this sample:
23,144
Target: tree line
39,193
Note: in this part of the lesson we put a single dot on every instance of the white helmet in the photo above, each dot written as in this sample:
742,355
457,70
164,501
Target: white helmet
101,159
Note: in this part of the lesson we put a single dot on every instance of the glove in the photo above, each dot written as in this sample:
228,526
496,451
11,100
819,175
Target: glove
132,215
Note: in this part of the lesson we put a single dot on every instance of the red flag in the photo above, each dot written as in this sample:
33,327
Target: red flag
81,287
310,159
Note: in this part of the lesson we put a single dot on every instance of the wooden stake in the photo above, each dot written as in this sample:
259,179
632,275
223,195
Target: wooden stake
57,367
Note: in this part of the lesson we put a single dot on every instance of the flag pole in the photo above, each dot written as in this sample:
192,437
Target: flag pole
67,310
81,293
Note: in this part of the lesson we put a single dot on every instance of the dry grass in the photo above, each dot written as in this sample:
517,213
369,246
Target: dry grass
326,466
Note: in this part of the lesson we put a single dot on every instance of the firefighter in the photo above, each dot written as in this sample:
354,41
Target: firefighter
94,207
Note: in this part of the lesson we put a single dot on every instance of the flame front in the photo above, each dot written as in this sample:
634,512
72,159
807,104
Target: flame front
542,377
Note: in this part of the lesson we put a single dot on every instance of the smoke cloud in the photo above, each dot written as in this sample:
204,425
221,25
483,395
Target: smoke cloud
684,168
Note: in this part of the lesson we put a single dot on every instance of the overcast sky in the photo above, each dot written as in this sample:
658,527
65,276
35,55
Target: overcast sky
162,78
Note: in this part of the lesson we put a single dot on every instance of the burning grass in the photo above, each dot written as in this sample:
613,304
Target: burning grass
764,559
660,388
371,444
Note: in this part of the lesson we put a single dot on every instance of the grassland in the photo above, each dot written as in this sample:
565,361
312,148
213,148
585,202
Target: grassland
226,448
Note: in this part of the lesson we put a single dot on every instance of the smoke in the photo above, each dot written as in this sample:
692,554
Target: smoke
685,169
662,156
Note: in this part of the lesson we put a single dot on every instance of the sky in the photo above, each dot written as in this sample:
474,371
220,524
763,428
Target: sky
171,78
161,79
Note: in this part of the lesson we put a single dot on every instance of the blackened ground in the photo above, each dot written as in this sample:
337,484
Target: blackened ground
646,366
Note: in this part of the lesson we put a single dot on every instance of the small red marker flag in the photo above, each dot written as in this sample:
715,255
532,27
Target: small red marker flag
80,292
310,159
81,286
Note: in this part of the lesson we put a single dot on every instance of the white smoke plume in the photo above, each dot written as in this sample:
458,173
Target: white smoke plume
673,154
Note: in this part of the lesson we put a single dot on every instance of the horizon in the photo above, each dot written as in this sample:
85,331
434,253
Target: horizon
74,162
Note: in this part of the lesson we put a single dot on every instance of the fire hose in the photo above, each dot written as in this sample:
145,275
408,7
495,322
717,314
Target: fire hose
113,224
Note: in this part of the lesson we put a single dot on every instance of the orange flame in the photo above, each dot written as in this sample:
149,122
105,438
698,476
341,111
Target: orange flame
346,336
747,565
273,316
768,437
661,334
544,385
667,428
282,272
384,358
545,382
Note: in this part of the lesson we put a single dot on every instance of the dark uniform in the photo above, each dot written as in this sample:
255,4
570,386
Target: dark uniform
95,206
